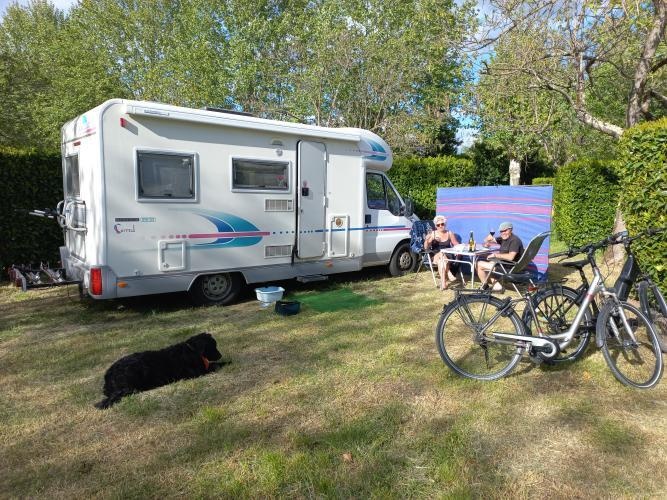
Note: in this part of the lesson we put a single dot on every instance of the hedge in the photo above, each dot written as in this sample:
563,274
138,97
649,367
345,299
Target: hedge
30,180
643,201
419,178
542,181
585,201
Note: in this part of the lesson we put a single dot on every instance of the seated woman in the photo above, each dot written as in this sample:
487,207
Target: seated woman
436,241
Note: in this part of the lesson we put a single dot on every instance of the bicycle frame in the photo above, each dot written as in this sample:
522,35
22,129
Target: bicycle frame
596,286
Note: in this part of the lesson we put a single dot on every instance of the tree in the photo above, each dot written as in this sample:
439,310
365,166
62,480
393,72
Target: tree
579,47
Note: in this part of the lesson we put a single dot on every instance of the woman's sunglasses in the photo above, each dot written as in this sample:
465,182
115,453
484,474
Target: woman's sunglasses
440,225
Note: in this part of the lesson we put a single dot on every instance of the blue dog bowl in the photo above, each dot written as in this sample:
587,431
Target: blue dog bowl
288,307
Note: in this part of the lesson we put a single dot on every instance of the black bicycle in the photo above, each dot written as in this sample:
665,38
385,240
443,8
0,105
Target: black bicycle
558,305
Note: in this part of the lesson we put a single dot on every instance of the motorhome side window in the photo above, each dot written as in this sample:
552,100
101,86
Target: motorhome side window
72,176
380,195
165,175
259,175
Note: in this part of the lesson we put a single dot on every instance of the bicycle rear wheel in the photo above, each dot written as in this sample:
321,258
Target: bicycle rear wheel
633,354
556,308
464,348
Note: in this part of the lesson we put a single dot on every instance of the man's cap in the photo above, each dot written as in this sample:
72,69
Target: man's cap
505,225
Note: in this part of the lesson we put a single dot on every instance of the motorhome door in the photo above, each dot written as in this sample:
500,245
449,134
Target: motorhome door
311,199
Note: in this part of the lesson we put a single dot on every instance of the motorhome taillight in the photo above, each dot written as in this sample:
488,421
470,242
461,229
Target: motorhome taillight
96,281
123,122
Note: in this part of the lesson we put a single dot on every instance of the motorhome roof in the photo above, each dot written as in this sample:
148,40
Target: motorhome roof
165,111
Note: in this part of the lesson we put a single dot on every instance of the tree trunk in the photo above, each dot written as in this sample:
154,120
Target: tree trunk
617,252
515,172
653,38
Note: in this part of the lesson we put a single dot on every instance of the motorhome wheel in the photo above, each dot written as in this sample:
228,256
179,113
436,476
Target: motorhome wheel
403,261
221,288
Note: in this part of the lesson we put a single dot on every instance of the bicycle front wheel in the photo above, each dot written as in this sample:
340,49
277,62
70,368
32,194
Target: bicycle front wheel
556,309
464,339
655,307
630,347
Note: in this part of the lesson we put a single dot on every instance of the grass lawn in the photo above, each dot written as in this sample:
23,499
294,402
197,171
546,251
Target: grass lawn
349,398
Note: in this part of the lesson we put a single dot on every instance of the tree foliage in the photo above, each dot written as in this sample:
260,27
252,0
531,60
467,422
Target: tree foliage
563,73
391,67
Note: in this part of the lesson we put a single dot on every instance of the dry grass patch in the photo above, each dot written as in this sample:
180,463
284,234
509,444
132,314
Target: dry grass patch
349,401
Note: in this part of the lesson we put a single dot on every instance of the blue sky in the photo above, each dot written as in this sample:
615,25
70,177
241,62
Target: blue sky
61,4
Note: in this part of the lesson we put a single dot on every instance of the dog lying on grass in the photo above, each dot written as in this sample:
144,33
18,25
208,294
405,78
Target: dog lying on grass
146,370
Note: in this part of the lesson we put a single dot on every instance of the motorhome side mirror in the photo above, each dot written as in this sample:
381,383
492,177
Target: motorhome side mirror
409,208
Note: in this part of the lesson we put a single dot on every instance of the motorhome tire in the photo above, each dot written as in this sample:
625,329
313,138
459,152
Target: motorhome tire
216,289
403,261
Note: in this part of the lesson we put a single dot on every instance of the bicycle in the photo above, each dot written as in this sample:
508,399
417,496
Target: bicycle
559,304
482,337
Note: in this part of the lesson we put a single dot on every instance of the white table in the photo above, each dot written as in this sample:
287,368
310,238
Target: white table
462,250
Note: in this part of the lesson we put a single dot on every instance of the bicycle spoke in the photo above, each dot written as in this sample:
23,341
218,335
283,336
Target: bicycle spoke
463,346
630,346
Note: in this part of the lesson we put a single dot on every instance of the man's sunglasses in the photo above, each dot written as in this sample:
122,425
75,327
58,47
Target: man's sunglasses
438,225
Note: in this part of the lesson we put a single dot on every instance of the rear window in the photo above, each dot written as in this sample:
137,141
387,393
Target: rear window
166,176
72,176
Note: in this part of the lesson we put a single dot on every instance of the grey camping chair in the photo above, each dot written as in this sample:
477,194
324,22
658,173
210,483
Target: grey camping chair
503,267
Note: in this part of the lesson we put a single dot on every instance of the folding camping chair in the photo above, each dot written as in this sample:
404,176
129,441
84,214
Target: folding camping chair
503,267
418,234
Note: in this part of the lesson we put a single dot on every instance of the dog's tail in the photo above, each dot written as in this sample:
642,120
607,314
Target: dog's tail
108,401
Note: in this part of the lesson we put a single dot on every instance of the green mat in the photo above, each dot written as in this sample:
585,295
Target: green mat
335,300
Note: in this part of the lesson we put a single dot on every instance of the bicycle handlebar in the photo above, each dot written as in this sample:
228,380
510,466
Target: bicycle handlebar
614,239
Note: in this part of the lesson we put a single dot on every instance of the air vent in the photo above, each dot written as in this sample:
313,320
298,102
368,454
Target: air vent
277,251
277,205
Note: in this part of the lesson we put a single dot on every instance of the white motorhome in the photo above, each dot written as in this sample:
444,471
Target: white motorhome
160,198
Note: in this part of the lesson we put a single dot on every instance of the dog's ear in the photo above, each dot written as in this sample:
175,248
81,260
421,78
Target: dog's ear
202,342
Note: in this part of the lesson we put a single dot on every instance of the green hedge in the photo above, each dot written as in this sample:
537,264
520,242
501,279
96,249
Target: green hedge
643,201
419,178
543,181
29,180
585,201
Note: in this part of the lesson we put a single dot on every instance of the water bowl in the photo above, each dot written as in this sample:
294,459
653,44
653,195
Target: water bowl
288,307
267,295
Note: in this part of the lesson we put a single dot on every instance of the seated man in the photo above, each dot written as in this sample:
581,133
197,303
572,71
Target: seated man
511,249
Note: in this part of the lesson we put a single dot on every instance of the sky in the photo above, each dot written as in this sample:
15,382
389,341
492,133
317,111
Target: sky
60,4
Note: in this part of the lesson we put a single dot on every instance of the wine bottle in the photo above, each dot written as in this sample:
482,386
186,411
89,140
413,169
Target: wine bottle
471,243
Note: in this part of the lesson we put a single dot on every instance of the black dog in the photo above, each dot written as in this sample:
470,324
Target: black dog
149,369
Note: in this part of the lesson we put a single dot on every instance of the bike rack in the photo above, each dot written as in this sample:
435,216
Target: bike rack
27,277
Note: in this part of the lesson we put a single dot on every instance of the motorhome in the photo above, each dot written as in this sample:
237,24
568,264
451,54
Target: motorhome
160,198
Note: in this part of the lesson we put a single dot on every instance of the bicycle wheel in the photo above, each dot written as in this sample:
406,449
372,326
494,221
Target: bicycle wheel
464,348
556,308
654,306
634,356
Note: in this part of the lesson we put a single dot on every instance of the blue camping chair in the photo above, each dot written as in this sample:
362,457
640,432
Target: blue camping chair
418,234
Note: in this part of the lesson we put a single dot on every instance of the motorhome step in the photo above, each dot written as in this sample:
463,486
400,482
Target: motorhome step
312,277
